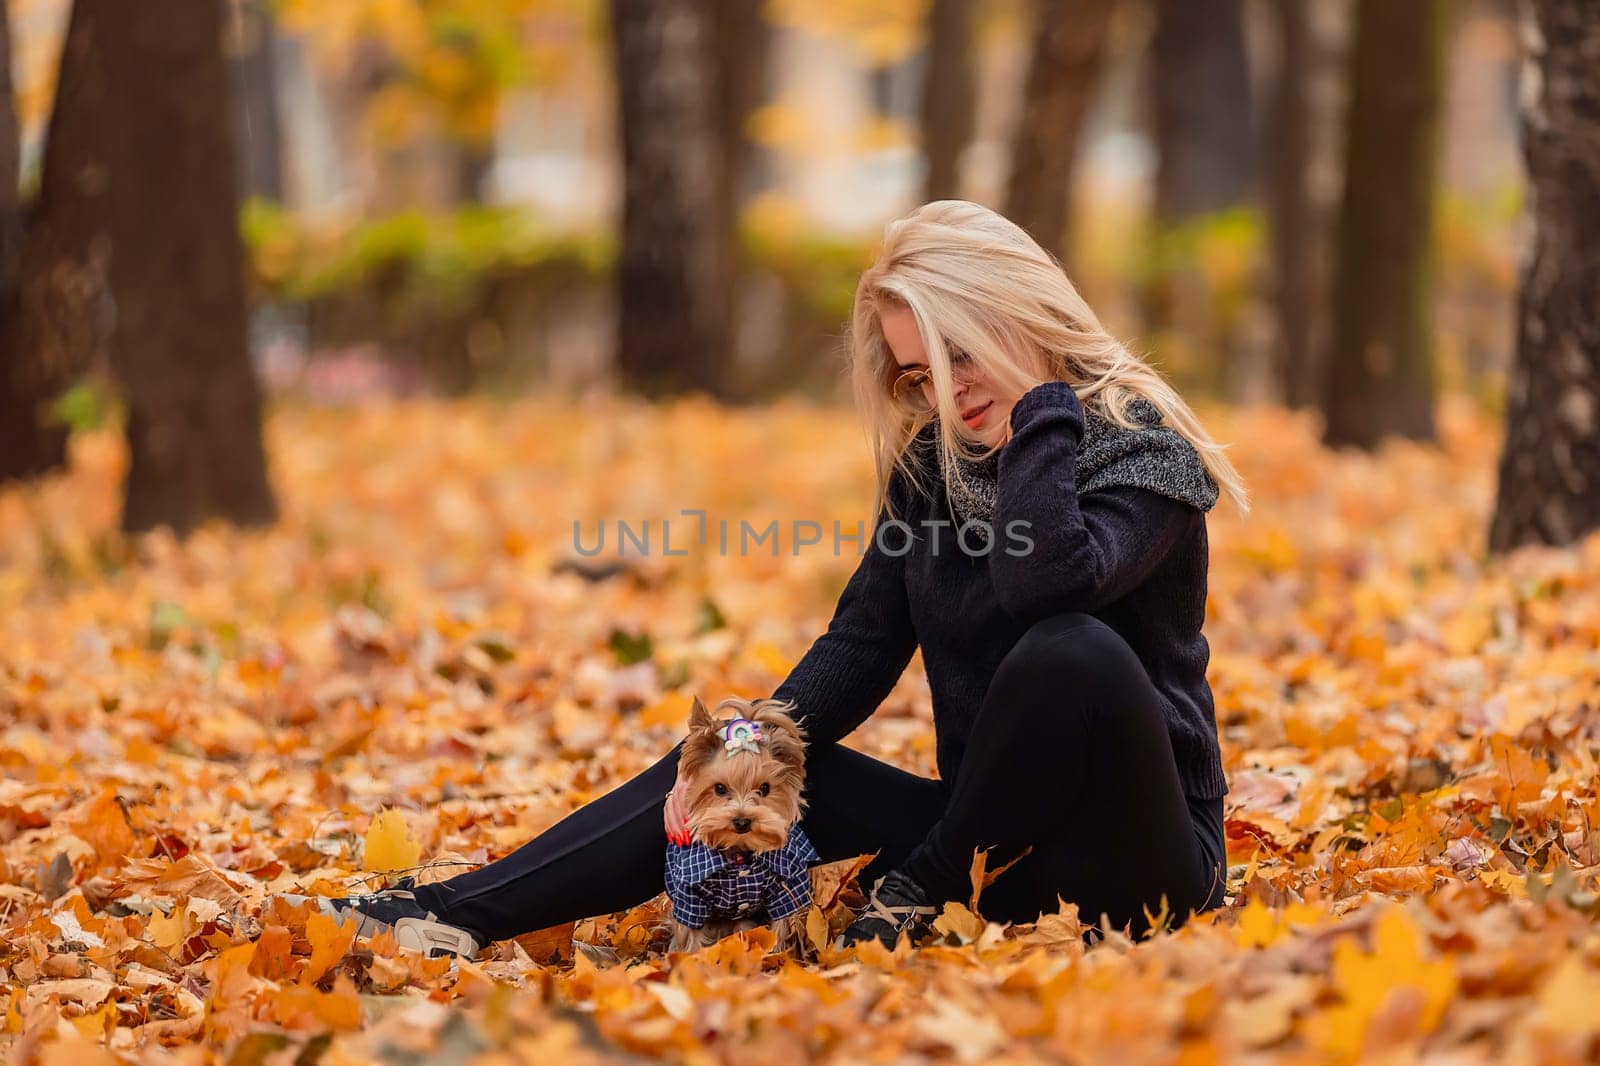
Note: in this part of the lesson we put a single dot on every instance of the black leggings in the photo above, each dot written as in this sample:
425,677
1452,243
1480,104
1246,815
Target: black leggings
1069,754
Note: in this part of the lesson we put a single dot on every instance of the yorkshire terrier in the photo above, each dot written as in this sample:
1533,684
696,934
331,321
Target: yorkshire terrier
747,860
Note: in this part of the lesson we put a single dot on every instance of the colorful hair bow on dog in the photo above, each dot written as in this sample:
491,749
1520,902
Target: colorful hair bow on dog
742,735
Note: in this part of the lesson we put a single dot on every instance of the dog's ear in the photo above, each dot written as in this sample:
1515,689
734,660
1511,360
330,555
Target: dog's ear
699,748
701,745
699,717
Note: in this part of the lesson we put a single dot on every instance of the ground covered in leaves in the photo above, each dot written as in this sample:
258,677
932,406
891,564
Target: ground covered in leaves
414,668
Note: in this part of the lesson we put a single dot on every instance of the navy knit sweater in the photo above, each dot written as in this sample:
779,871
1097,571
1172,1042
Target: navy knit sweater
1125,553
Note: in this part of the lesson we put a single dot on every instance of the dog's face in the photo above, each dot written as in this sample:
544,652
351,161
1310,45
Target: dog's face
742,798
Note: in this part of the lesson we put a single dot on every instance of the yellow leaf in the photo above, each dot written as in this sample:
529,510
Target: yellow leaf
390,845
1262,926
1568,997
817,928
957,920
1258,926
97,1025
1366,979
168,932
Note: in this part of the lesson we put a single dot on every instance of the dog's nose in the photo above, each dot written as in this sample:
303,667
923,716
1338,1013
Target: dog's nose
741,825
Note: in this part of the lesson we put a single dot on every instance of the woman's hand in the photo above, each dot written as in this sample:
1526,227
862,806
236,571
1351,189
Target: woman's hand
675,814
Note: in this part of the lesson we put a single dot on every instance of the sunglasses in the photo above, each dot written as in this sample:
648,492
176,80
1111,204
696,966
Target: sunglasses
914,388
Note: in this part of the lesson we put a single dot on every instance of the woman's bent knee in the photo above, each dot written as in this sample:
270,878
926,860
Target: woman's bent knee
1073,662
1070,643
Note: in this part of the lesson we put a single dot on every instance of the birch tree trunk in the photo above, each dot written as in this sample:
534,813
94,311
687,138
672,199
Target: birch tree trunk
1550,470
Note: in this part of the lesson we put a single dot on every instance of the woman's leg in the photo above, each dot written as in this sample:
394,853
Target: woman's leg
1070,754
607,855
857,805
610,854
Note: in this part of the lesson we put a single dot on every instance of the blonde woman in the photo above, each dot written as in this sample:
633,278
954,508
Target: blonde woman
1041,535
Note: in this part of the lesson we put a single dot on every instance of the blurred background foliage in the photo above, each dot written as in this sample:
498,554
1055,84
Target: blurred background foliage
447,178
1318,203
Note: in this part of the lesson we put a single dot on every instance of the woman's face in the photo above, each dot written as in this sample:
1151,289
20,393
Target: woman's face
985,412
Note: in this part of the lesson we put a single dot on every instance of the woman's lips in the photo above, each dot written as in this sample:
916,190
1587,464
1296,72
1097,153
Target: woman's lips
975,418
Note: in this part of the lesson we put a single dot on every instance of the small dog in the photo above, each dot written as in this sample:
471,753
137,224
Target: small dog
747,863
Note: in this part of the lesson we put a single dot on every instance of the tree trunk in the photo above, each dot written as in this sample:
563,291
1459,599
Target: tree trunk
177,270
949,95
670,272
54,302
1380,378
23,451
10,160
1069,50
1303,154
258,123
1289,202
1201,93
1550,470
473,165
740,40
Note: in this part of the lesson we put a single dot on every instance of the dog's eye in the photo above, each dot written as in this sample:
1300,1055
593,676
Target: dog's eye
765,788
720,788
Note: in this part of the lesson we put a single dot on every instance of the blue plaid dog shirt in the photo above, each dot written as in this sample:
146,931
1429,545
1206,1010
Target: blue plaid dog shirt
705,883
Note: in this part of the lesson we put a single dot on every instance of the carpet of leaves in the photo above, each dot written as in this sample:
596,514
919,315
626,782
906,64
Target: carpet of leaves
415,668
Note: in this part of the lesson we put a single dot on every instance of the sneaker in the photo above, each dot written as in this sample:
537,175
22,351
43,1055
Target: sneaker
396,909
897,904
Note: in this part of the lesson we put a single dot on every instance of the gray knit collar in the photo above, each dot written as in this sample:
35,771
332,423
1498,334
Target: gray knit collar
1153,457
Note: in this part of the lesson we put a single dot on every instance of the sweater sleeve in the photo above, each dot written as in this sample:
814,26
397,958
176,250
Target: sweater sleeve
1086,551
851,667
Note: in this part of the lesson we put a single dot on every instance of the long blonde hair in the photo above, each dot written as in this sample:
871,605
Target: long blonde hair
974,279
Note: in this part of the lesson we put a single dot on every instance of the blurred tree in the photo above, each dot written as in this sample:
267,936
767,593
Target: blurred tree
258,124
1200,82
22,451
1302,153
671,332
177,269
1068,52
428,71
1550,470
949,94
53,291
1380,377
1289,200
740,42
10,158
1200,108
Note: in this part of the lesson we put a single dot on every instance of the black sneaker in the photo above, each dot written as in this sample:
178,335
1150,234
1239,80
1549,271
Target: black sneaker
396,908
897,904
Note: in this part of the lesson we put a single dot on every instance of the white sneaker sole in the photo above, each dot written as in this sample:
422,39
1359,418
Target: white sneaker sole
412,934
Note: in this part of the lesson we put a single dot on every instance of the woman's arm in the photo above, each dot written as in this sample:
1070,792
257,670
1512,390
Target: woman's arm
1087,551
849,669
